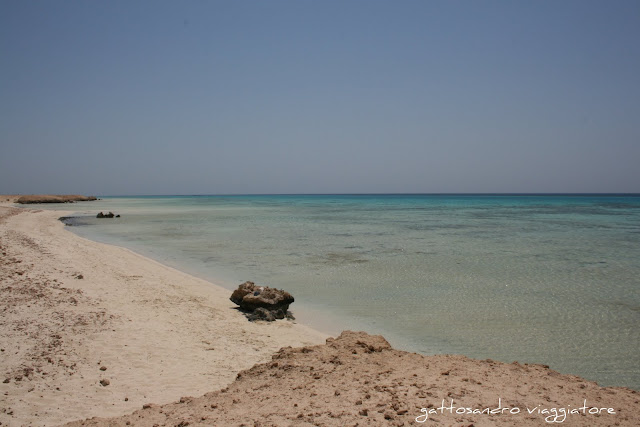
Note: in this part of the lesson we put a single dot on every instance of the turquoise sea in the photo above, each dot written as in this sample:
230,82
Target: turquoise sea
552,279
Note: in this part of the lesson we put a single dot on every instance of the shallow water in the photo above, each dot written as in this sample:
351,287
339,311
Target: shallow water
535,278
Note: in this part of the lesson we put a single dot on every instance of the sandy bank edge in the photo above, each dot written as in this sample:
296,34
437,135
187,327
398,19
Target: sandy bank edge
358,379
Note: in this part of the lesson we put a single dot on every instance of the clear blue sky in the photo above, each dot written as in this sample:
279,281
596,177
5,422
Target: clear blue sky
212,97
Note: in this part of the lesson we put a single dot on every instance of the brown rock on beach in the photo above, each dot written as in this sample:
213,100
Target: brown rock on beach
264,302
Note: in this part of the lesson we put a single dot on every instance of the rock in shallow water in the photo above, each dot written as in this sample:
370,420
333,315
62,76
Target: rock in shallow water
262,302
103,215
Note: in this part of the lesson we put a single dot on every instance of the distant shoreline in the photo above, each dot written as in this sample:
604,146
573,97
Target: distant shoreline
45,198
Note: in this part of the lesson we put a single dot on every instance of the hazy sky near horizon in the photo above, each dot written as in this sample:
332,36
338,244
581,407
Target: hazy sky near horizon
218,97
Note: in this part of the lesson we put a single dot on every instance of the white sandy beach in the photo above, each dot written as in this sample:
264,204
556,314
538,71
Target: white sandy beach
160,334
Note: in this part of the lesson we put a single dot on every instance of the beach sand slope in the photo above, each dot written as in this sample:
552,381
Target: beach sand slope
358,379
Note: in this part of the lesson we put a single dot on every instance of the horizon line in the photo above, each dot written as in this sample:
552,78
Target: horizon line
380,194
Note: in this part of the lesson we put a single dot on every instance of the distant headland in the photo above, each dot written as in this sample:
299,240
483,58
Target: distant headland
46,198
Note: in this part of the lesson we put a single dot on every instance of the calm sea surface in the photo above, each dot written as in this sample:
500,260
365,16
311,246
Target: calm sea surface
534,278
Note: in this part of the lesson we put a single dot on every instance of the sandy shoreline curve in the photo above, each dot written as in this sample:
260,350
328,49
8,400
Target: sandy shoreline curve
71,306
93,330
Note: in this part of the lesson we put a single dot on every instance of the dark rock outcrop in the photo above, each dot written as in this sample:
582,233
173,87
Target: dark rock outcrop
109,215
262,302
